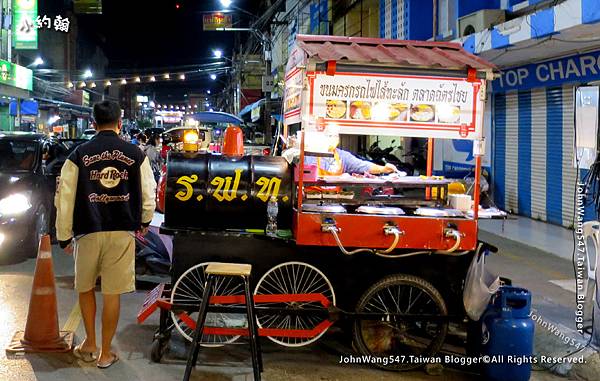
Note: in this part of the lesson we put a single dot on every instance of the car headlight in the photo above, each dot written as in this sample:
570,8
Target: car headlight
14,204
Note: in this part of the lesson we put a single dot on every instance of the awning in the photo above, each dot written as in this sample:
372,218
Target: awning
216,117
44,103
251,107
28,107
429,54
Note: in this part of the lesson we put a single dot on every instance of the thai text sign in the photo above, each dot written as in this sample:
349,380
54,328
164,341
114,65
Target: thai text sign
397,105
25,35
292,96
214,21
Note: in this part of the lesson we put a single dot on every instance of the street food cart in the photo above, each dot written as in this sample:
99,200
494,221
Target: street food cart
387,254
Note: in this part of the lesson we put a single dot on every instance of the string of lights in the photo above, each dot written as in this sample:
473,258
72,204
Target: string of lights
89,82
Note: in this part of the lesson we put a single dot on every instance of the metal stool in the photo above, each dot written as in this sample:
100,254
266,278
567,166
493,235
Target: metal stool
214,270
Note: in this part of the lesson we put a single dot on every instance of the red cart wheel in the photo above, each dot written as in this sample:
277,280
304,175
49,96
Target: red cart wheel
293,278
189,289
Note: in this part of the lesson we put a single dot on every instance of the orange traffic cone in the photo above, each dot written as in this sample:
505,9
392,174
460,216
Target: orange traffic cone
41,332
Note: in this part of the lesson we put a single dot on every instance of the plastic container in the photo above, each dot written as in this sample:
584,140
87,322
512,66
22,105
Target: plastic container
507,335
272,212
310,173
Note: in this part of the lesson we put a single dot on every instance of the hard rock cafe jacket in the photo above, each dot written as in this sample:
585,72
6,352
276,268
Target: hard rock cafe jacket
106,184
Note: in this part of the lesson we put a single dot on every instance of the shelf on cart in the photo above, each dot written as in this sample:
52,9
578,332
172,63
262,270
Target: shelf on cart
408,215
373,202
402,182
318,154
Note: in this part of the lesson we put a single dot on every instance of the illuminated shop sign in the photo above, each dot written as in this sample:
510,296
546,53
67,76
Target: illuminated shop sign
15,75
25,35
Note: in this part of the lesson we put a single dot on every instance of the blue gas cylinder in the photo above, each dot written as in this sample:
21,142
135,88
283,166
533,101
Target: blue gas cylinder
507,336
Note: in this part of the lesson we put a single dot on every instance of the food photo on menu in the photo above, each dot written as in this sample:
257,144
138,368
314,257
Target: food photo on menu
422,113
360,110
336,109
448,113
392,112
399,112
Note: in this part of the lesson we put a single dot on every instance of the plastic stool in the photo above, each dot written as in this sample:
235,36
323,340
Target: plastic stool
213,271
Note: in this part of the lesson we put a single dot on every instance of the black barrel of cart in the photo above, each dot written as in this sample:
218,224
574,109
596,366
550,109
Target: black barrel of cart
216,192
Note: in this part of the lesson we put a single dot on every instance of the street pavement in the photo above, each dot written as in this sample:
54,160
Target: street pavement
550,279
317,362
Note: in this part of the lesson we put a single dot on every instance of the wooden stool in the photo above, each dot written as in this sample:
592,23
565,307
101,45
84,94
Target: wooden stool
213,271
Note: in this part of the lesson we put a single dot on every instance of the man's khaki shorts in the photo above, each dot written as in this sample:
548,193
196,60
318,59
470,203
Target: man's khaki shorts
110,255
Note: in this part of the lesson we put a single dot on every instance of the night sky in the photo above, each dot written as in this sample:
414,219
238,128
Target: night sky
154,33
143,35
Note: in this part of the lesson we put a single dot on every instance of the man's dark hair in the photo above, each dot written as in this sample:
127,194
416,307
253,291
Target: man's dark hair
106,112
153,139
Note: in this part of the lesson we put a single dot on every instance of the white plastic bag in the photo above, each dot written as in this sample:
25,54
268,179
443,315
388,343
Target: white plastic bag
480,285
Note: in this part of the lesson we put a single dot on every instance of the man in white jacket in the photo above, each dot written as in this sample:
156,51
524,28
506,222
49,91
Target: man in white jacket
106,192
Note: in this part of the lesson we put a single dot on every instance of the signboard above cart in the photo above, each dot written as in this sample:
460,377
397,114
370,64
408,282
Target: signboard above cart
396,105
385,87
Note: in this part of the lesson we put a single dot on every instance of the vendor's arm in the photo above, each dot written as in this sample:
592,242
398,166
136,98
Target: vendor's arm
352,164
380,169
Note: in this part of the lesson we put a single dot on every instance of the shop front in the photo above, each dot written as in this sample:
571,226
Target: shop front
533,171
16,83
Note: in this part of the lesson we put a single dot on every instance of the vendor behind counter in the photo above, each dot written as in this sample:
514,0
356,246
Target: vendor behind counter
341,162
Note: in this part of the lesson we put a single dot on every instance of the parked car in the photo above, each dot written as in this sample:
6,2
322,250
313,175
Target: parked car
154,131
88,134
29,165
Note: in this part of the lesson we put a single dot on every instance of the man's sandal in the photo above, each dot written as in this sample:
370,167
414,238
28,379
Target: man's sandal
83,355
108,364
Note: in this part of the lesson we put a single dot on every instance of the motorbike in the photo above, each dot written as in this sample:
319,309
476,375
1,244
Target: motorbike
385,156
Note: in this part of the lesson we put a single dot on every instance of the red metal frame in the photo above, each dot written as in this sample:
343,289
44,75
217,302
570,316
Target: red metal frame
367,231
276,332
165,304
150,303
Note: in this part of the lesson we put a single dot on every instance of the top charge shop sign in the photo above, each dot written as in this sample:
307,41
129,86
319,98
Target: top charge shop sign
574,69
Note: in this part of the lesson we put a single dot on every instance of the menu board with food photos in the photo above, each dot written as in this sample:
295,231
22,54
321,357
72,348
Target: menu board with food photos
382,104
293,95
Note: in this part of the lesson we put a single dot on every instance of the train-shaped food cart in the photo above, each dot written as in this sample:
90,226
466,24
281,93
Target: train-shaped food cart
386,251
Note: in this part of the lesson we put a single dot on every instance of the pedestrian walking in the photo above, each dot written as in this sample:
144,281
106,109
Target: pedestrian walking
153,151
142,141
106,193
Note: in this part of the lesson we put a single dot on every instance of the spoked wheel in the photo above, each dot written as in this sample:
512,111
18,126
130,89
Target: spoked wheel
293,278
393,336
189,289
